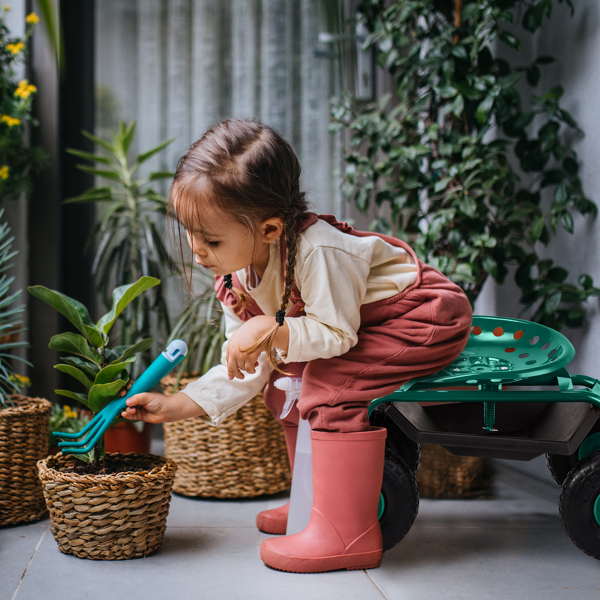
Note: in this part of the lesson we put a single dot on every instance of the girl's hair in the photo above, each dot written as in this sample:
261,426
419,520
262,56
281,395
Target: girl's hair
251,173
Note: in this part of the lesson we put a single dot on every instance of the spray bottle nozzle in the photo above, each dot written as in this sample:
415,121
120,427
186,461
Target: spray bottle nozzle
292,386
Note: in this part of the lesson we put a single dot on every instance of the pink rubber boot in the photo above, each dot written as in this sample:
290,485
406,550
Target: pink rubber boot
343,532
275,519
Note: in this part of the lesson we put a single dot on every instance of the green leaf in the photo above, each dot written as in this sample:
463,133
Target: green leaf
560,194
122,296
89,156
74,372
484,109
74,396
536,229
139,347
75,344
146,155
510,39
75,312
156,175
100,172
557,274
100,395
585,281
509,80
566,220
552,303
89,368
107,374
533,75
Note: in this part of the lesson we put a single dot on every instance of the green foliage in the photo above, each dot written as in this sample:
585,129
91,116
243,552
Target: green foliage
475,174
10,323
100,371
18,160
128,232
202,327
65,419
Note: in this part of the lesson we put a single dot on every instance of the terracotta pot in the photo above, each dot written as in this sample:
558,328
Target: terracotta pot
124,437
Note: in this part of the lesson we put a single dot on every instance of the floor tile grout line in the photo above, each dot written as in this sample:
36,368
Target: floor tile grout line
383,594
29,563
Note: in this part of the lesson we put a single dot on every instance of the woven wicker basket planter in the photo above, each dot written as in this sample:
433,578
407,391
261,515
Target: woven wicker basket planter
23,441
446,476
108,517
242,458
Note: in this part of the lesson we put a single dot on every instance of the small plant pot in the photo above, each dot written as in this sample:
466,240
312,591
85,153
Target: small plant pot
125,437
108,516
23,442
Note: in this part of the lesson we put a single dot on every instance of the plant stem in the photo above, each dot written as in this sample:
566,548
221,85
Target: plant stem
458,4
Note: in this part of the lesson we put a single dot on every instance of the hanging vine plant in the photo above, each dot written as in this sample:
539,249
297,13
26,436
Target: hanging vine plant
476,172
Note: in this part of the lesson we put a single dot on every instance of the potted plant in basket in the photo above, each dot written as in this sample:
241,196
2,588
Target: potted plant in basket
23,420
473,172
103,506
243,457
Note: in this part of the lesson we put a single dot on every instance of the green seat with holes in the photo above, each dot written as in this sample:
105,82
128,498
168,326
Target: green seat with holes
502,351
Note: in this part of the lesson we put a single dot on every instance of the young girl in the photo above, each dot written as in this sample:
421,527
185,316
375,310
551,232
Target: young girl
354,314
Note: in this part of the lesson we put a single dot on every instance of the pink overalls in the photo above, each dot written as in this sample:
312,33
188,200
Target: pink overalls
412,334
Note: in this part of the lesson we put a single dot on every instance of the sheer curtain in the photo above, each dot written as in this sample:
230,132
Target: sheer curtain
178,66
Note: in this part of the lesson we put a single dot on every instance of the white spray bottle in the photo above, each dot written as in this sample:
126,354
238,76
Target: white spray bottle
301,496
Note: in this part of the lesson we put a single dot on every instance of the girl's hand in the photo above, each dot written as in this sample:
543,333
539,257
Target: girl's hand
152,407
245,337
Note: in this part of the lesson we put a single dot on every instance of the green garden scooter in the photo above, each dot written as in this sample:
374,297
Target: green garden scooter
524,403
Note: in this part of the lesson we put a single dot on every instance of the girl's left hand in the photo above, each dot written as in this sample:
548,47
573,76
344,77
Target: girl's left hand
245,337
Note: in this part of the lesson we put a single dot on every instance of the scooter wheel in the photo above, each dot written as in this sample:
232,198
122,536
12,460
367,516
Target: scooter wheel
580,504
397,441
399,500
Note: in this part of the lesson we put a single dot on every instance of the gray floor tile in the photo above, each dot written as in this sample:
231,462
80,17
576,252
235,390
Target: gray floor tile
509,548
17,545
206,563
202,512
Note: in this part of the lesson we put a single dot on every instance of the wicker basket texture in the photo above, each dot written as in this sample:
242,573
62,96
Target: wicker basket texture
108,517
446,476
23,441
244,457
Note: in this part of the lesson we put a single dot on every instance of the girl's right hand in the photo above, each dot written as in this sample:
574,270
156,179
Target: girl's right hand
153,407
150,407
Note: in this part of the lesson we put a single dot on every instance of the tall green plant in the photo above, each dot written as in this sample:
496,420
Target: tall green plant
128,233
10,322
99,369
474,171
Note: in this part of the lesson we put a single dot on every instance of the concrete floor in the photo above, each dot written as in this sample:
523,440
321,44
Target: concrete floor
512,546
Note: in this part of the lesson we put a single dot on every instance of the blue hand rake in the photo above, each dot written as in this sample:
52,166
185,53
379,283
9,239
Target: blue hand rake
96,428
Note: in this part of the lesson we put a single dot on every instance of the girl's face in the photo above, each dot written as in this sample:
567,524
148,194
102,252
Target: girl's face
223,245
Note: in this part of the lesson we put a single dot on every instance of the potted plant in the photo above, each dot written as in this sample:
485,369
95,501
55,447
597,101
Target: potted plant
103,506
23,420
245,456
128,234
474,173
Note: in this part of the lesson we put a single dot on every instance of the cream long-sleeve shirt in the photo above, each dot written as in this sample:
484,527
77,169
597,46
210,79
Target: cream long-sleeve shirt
336,273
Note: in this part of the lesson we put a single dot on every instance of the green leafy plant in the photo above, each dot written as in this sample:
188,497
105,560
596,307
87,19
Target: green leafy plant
128,231
474,172
10,323
102,371
18,159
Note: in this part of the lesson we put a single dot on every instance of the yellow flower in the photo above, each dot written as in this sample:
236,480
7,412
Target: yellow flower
25,89
69,412
10,121
4,172
15,48
32,19
6,7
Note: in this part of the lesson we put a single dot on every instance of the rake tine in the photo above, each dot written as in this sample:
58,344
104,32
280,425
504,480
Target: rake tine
84,441
74,436
87,448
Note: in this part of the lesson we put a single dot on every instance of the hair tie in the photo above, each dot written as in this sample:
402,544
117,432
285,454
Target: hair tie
228,282
279,316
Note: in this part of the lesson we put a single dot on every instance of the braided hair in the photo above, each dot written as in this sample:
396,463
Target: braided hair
251,173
